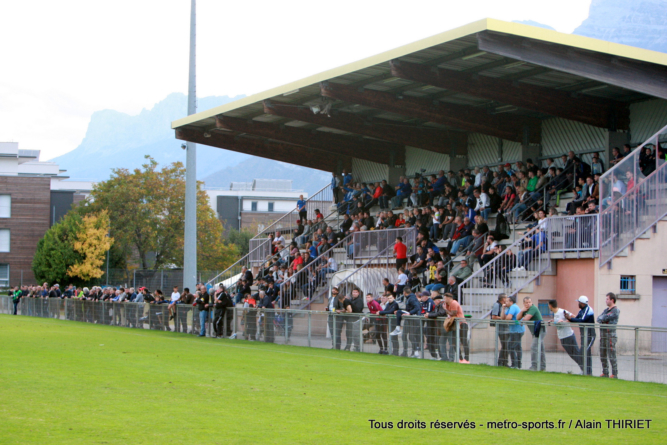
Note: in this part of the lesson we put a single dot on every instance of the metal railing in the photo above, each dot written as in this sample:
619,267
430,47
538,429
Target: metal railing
628,209
254,258
627,173
632,352
309,279
321,200
368,244
368,278
509,272
560,182
577,233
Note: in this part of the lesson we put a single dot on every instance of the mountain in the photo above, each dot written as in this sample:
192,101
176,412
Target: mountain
303,178
118,140
114,140
639,23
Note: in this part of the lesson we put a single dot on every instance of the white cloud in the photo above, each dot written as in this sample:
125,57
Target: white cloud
64,60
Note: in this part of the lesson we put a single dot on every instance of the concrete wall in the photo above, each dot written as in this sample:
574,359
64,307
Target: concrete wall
646,261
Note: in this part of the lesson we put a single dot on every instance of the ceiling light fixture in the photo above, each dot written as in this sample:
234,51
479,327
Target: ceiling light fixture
472,56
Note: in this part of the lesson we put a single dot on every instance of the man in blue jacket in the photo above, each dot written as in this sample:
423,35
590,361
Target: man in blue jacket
412,307
585,316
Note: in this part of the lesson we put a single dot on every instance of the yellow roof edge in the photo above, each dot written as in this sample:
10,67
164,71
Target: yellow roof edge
576,41
501,26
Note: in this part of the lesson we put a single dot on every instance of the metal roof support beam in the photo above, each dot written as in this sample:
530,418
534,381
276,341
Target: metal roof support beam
634,75
457,116
588,110
334,144
431,139
278,151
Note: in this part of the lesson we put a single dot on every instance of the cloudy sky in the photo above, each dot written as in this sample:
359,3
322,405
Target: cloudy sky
63,60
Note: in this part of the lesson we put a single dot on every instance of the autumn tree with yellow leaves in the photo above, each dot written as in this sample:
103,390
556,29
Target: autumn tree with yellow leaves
91,242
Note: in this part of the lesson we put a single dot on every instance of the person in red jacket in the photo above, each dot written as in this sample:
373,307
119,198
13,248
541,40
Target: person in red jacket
400,250
379,323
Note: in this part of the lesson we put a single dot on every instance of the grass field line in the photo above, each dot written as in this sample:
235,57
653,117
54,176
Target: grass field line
464,374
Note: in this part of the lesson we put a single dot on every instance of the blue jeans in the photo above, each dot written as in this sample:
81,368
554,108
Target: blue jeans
516,211
485,213
16,303
203,315
434,287
462,242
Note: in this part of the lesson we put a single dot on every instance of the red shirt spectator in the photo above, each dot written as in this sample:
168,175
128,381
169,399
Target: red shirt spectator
400,250
373,305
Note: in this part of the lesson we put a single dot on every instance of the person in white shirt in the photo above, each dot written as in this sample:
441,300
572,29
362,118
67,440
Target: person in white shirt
478,177
483,204
329,267
401,281
175,296
565,333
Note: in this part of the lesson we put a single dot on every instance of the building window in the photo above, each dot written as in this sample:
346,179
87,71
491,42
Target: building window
4,275
628,284
543,306
4,240
271,206
253,206
5,206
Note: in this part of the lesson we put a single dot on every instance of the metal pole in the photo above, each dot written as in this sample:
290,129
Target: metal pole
334,329
309,327
585,348
636,354
495,346
361,334
134,278
421,338
539,348
190,238
458,341
234,321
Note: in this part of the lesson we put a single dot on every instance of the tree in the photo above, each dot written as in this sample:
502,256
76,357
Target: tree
55,251
240,238
146,210
91,242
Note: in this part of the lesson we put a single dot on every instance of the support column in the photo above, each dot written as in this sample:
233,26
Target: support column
393,173
458,157
614,139
530,152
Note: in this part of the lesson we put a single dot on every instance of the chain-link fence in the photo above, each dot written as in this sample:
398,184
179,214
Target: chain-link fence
631,352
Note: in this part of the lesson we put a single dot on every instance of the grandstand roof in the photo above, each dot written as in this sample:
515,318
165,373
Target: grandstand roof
490,77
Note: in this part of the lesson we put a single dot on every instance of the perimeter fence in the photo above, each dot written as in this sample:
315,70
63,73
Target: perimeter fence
636,353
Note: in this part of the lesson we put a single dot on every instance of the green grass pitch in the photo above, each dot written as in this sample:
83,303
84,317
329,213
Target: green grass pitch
69,382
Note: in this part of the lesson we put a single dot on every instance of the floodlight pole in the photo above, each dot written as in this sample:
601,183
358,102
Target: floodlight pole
190,238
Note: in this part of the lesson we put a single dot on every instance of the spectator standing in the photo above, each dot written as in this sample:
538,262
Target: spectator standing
378,323
565,333
498,313
301,208
202,304
400,251
608,337
516,331
454,310
341,305
266,303
530,312
585,316
16,299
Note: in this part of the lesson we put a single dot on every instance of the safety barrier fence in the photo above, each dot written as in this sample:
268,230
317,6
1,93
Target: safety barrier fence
632,352
321,200
509,272
369,277
254,258
368,244
305,283
579,233
633,198
632,214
